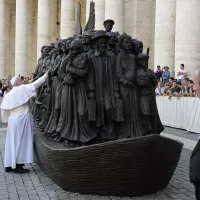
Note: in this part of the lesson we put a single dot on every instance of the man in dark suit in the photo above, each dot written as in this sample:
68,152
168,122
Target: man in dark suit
195,157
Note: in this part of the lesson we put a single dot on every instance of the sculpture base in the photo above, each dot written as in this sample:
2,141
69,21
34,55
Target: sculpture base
126,167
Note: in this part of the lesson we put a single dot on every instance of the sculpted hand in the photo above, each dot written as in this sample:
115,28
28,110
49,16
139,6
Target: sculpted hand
117,95
91,95
60,76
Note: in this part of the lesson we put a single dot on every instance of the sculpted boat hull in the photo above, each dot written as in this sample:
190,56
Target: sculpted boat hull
126,167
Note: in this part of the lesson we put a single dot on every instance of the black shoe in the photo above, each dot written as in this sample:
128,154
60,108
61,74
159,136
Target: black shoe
8,169
20,171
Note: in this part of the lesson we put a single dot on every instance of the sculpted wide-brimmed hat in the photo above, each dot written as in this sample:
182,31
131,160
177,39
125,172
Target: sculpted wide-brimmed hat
87,33
100,34
108,21
142,56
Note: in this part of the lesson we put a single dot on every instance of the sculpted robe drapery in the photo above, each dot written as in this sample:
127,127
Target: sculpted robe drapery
16,111
151,120
104,82
126,73
73,124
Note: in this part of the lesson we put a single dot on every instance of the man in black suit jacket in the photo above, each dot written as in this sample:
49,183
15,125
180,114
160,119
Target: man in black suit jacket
195,157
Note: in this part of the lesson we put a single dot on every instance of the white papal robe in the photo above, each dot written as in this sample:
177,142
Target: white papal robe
15,110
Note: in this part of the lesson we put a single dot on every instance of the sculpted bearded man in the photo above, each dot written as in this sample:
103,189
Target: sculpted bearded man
16,111
104,87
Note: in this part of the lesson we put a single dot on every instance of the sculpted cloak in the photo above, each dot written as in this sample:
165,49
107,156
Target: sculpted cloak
105,84
16,111
129,90
73,124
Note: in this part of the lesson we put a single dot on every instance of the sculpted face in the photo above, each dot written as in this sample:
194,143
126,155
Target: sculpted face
63,46
143,62
45,51
196,83
86,39
59,44
113,38
102,44
126,44
67,44
109,26
75,51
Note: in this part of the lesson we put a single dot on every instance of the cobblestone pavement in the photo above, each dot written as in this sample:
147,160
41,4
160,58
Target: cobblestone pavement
36,185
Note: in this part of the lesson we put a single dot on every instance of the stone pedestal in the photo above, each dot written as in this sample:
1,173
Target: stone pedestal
44,25
21,38
187,43
165,22
114,9
67,26
99,14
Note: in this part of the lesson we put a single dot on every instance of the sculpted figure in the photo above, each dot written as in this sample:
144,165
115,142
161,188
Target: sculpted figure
43,68
105,87
137,47
86,41
147,82
73,125
54,56
57,76
113,43
108,24
126,73
44,53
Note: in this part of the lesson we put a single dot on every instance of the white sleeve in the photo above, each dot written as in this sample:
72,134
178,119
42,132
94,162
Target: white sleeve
39,81
5,115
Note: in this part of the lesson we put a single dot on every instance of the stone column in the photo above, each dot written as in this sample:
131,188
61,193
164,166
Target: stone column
99,14
114,9
165,23
44,25
67,28
187,42
54,20
21,38
8,40
12,41
30,37
2,39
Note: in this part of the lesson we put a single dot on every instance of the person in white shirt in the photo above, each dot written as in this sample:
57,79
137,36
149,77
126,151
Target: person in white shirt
181,73
16,111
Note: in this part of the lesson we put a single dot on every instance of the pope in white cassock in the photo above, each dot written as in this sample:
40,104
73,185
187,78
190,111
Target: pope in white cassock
15,110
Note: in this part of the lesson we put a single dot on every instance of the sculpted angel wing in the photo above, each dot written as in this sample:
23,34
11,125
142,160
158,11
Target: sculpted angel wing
91,21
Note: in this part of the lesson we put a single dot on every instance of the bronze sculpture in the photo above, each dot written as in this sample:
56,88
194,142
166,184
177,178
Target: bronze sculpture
129,90
73,125
108,24
56,76
91,95
147,82
104,86
86,41
98,109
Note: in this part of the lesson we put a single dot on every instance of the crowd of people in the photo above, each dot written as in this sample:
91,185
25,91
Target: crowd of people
6,86
181,86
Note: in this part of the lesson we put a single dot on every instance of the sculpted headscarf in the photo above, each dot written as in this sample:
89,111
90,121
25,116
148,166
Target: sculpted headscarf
76,43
